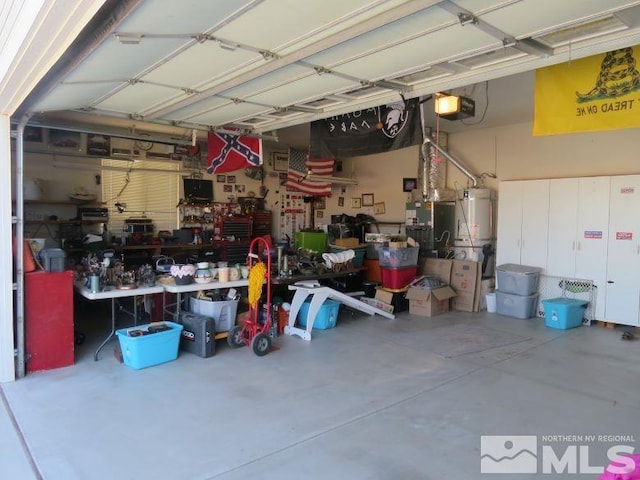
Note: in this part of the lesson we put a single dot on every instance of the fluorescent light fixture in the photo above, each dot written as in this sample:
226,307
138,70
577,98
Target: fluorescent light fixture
310,177
97,168
454,107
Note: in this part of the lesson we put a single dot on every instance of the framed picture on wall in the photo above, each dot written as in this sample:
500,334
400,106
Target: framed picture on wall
378,208
280,161
356,202
367,199
319,214
221,178
341,201
231,179
227,188
320,203
409,184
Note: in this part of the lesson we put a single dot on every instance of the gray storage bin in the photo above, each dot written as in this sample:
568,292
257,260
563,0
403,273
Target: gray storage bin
518,306
518,279
223,312
53,259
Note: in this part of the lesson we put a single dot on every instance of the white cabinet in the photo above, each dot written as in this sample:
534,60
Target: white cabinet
623,260
578,231
523,208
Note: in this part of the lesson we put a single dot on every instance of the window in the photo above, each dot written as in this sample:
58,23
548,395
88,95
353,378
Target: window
148,188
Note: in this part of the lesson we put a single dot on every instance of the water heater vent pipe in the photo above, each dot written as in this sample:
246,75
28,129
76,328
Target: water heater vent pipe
474,179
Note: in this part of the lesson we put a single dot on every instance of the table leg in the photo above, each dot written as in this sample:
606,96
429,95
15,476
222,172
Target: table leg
178,307
113,329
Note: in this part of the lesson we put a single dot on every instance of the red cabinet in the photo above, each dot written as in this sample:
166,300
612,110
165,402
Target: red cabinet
48,309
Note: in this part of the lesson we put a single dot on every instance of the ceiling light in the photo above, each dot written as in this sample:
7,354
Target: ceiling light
454,107
128,38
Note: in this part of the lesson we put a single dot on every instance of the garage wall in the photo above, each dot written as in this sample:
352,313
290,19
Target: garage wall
509,153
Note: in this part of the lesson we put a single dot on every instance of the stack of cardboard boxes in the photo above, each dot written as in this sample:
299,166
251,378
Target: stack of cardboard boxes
461,290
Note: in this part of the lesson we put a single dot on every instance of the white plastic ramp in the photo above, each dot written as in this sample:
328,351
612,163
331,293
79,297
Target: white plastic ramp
320,294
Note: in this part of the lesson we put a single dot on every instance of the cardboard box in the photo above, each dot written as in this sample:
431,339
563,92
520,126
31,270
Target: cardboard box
397,244
347,242
437,267
429,302
465,280
396,299
374,302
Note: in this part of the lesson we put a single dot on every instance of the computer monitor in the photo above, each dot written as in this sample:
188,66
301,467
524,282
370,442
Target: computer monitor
198,191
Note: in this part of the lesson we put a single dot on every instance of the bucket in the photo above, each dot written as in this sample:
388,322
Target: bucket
369,289
492,303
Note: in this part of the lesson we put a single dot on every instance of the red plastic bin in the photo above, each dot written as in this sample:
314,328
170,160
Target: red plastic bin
399,277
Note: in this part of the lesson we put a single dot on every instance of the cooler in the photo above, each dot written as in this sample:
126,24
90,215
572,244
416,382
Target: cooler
198,334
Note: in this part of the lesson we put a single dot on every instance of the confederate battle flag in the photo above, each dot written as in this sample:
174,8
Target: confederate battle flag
228,153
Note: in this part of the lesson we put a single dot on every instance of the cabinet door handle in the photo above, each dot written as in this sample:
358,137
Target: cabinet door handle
610,281
578,246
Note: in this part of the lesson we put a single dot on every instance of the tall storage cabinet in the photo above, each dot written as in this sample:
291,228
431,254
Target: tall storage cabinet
578,231
623,254
523,208
49,341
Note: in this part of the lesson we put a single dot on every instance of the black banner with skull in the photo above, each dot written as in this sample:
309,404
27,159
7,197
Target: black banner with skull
365,132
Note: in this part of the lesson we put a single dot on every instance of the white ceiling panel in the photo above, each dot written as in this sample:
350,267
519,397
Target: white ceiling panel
282,76
138,97
400,58
183,61
228,114
303,90
395,33
71,97
526,19
182,16
203,64
301,22
198,108
113,60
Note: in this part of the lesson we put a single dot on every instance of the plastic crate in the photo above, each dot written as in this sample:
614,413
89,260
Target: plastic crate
398,257
316,241
397,278
518,279
326,317
564,313
152,349
223,312
360,252
517,306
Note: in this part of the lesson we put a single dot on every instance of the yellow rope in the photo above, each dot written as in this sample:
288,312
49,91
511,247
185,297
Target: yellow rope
256,279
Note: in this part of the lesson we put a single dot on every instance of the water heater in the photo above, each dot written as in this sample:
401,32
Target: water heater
474,223
473,235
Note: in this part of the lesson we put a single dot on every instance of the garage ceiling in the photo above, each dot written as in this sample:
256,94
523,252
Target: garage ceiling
262,65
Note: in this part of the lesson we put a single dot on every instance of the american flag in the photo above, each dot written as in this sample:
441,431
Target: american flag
299,165
228,153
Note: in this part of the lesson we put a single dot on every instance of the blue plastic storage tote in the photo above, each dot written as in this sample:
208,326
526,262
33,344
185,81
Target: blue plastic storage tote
151,349
326,317
564,313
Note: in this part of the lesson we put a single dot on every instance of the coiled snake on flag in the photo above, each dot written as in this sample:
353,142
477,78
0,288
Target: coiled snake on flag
618,76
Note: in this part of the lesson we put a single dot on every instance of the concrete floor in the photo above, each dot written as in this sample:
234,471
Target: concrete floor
371,399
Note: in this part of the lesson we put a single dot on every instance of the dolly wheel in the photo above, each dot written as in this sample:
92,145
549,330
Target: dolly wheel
235,337
260,344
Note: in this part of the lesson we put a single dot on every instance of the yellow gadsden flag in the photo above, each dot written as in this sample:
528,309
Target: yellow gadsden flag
601,92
